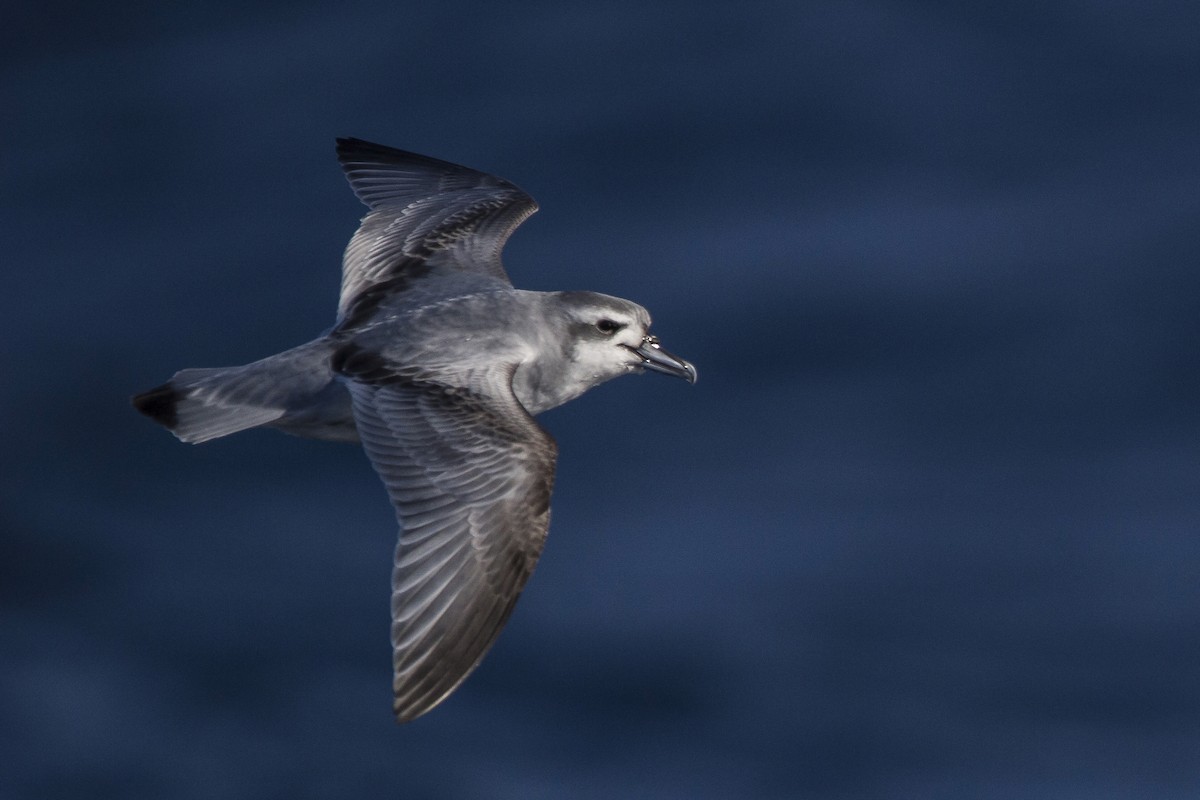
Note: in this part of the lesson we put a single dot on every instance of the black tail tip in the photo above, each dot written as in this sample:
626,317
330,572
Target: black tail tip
159,404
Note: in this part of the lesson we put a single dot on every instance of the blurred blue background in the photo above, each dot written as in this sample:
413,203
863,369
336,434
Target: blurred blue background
926,527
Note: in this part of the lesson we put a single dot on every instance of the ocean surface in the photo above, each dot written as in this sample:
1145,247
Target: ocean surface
928,526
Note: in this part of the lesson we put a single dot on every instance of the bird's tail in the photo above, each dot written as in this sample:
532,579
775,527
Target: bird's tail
293,390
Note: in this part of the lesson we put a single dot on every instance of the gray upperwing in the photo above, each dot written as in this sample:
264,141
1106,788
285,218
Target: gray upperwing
426,214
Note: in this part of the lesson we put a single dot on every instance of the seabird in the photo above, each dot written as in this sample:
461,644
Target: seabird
437,365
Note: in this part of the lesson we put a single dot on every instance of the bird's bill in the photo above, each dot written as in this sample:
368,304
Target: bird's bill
655,358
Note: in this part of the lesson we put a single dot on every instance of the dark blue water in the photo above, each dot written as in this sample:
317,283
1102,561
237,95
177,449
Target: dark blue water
928,526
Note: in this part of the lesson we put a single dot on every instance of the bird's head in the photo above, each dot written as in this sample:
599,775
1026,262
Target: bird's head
596,338
609,337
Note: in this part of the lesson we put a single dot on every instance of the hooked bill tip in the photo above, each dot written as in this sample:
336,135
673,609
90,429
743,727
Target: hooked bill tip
655,358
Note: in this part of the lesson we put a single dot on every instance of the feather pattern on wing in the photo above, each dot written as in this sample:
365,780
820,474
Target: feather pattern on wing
425,214
469,473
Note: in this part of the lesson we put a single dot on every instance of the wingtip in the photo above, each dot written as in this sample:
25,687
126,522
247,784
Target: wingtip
159,404
403,716
353,153
348,143
351,148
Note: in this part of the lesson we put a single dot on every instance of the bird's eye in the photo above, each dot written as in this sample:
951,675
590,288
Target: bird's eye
608,327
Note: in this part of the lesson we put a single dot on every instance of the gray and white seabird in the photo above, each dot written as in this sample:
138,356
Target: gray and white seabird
437,365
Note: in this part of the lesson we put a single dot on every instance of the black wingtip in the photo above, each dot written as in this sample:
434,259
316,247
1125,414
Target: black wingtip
352,152
159,404
350,148
345,143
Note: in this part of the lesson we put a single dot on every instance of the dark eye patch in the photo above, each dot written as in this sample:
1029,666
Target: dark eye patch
608,327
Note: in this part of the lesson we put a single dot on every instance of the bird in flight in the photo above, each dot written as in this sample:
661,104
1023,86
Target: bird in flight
437,365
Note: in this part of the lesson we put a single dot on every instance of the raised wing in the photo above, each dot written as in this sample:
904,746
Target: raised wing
425,214
469,473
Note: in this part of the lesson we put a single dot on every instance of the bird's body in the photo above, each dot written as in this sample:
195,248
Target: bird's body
436,364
